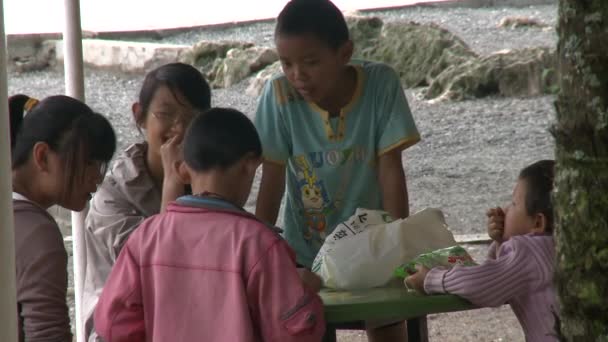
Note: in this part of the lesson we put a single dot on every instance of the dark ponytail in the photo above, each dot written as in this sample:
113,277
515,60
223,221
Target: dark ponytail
17,106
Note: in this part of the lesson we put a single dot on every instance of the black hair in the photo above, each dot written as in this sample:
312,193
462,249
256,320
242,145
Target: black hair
178,77
321,18
539,183
16,109
218,138
68,126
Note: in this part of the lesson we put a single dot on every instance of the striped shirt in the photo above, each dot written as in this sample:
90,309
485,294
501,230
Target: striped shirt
520,274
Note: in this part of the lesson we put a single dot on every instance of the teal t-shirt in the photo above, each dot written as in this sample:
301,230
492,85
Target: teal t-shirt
331,162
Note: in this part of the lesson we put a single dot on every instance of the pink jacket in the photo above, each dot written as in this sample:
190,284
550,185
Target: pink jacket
207,271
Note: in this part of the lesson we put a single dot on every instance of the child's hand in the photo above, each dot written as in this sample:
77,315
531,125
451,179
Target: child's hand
416,280
310,280
171,156
496,223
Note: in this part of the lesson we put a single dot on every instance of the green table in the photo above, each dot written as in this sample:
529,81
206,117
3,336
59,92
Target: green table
388,304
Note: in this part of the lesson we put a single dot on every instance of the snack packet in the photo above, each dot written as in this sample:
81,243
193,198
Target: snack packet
448,257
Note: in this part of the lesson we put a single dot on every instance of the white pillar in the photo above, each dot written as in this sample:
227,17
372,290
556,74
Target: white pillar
74,85
72,50
8,289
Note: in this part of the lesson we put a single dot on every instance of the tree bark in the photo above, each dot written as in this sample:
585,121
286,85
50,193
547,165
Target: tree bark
581,185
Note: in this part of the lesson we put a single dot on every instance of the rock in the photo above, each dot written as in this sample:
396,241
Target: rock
204,51
163,55
206,55
31,52
419,52
521,73
264,59
532,72
364,31
257,83
241,63
515,22
44,57
135,57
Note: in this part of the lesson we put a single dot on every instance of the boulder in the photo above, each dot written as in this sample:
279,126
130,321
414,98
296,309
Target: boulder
256,85
526,72
364,31
207,55
30,52
42,57
520,21
419,52
135,57
241,63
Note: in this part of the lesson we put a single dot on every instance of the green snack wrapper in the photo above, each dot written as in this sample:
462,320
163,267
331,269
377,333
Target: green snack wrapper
448,257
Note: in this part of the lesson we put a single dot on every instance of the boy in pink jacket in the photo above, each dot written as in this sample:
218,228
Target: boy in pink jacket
206,270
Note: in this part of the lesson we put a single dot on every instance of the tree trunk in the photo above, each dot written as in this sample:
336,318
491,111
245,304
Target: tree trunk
581,196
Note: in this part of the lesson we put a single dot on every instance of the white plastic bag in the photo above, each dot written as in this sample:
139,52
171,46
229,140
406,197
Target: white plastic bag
364,251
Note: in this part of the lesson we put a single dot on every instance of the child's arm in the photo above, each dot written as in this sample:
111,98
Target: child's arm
496,228
493,283
496,223
393,184
283,308
396,131
276,145
271,192
119,314
310,279
173,186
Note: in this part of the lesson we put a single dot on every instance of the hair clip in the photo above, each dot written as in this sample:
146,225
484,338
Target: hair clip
30,103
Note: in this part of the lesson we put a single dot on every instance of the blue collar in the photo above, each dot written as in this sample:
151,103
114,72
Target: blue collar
208,202
214,203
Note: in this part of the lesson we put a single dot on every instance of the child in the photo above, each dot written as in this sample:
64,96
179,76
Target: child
519,270
205,269
333,131
141,181
59,152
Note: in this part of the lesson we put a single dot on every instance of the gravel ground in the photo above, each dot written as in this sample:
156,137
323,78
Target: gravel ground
470,151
